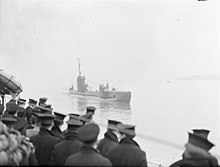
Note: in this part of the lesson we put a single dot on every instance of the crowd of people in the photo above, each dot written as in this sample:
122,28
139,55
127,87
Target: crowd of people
32,136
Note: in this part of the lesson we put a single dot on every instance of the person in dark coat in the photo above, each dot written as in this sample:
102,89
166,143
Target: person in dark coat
90,112
45,141
58,122
68,146
20,124
128,152
203,133
29,109
110,139
35,124
72,116
88,155
21,108
196,153
86,118
45,110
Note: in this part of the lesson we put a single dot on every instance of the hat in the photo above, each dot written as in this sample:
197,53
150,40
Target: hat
32,101
126,129
21,101
59,116
36,109
12,100
74,122
88,133
200,142
201,133
9,121
43,99
90,109
86,117
45,110
74,116
11,107
45,119
112,124
48,105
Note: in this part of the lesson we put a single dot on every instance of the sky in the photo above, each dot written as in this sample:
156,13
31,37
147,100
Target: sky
119,41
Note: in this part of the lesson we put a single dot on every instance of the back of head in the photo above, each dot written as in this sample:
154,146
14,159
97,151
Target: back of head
113,124
59,118
88,133
86,118
45,119
197,147
128,130
32,102
11,108
42,101
21,102
73,125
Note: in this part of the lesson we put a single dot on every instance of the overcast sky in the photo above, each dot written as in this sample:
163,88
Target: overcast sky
117,40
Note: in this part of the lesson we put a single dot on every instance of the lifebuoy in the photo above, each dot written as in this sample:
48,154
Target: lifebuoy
9,83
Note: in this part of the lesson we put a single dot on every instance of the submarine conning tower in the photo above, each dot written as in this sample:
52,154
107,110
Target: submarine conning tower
81,83
80,80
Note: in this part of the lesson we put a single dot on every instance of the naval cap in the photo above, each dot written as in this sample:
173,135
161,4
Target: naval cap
86,117
88,133
74,122
8,120
36,109
48,105
59,116
112,124
21,101
42,99
32,101
127,129
73,116
90,109
45,110
200,142
11,107
45,118
201,133
12,100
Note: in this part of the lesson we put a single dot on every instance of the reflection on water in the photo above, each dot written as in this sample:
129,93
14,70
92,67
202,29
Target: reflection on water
115,105
105,109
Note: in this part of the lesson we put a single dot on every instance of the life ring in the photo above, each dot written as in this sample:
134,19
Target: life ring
9,83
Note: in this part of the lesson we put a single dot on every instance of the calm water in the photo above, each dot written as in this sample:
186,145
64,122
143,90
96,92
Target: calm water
155,40
163,112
